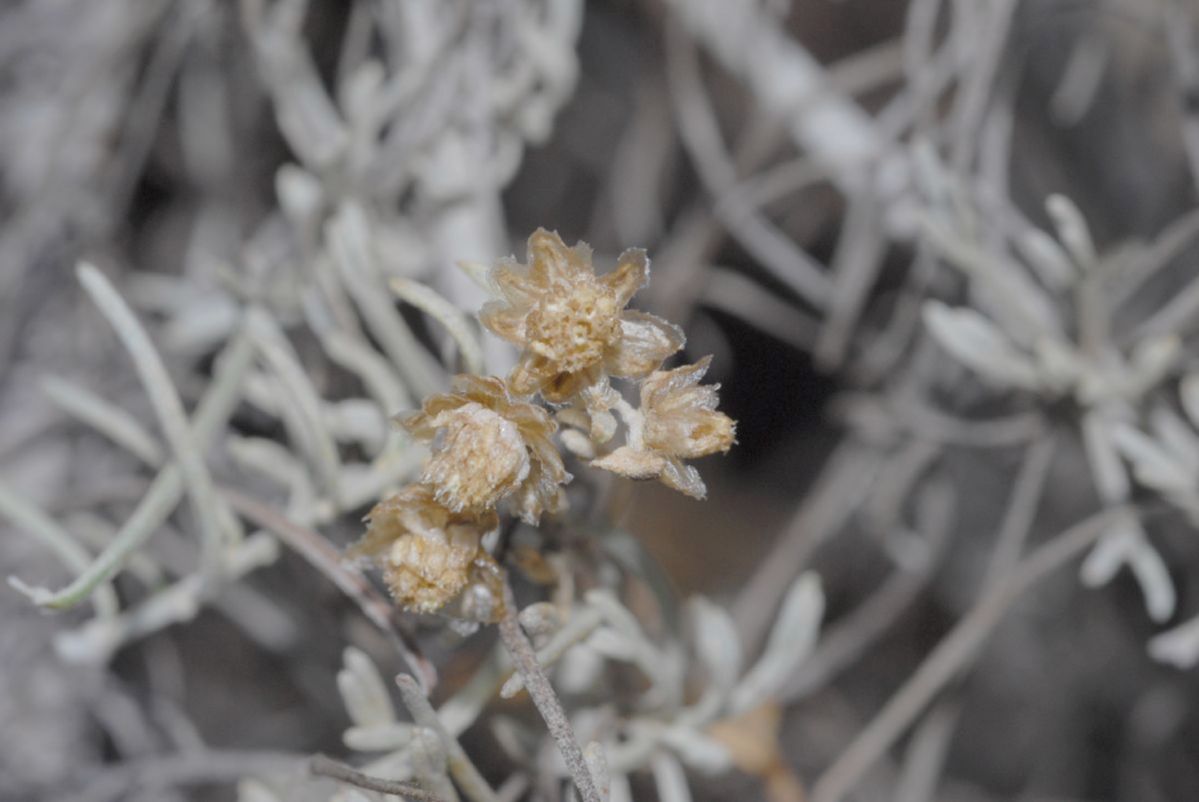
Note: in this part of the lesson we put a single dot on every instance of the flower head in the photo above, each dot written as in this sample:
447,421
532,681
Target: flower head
428,553
488,446
572,324
679,421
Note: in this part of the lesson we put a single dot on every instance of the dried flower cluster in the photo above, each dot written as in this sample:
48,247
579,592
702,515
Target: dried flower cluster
491,442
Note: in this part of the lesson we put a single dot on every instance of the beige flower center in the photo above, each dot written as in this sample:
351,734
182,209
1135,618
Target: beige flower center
482,459
573,331
424,573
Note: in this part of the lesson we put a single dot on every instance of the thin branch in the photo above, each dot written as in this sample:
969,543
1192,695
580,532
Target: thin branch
954,651
459,763
204,767
322,556
322,766
168,407
544,698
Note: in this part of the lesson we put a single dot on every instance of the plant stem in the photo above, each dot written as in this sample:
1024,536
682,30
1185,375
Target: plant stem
322,766
544,698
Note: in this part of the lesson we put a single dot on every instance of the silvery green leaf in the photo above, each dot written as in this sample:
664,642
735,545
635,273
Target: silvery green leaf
1018,305
1151,360
363,691
580,669
1189,392
1111,480
1153,465
383,737
1154,578
1045,255
451,317
540,619
1058,364
597,766
1125,543
1178,646
359,95
619,789
716,642
345,794
791,640
300,194
1174,435
252,790
670,779
978,344
697,750
1072,230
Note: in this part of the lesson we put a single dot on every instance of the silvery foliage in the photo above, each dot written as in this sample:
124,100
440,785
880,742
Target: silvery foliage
659,728
1040,323
420,140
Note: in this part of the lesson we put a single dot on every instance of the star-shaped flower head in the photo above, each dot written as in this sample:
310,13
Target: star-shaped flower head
428,554
488,446
679,422
572,324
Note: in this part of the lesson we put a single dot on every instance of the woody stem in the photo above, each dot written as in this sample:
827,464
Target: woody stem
545,699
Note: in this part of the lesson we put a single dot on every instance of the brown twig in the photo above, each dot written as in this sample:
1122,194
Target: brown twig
544,698
190,768
952,653
324,766
322,556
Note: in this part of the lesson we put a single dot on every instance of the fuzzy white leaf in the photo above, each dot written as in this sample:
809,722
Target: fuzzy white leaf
597,766
1058,365
697,750
251,790
300,193
1111,480
1072,230
1126,544
791,640
1151,360
1176,437
1189,392
978,344
363,691
716,642
384,737
670,779
1153,465
448,315
1047,258
1178,646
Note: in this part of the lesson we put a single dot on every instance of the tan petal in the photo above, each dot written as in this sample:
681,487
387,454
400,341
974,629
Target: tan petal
705,433
504,321
631,274
684,479
515,283
539,494
665,382
645,340
560,389
423,423
489,391
634,464
528,374
549,258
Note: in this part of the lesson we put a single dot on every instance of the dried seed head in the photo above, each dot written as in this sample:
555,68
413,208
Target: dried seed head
488,446
427,552
424,575
572,324
679,422
680,413
481,459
